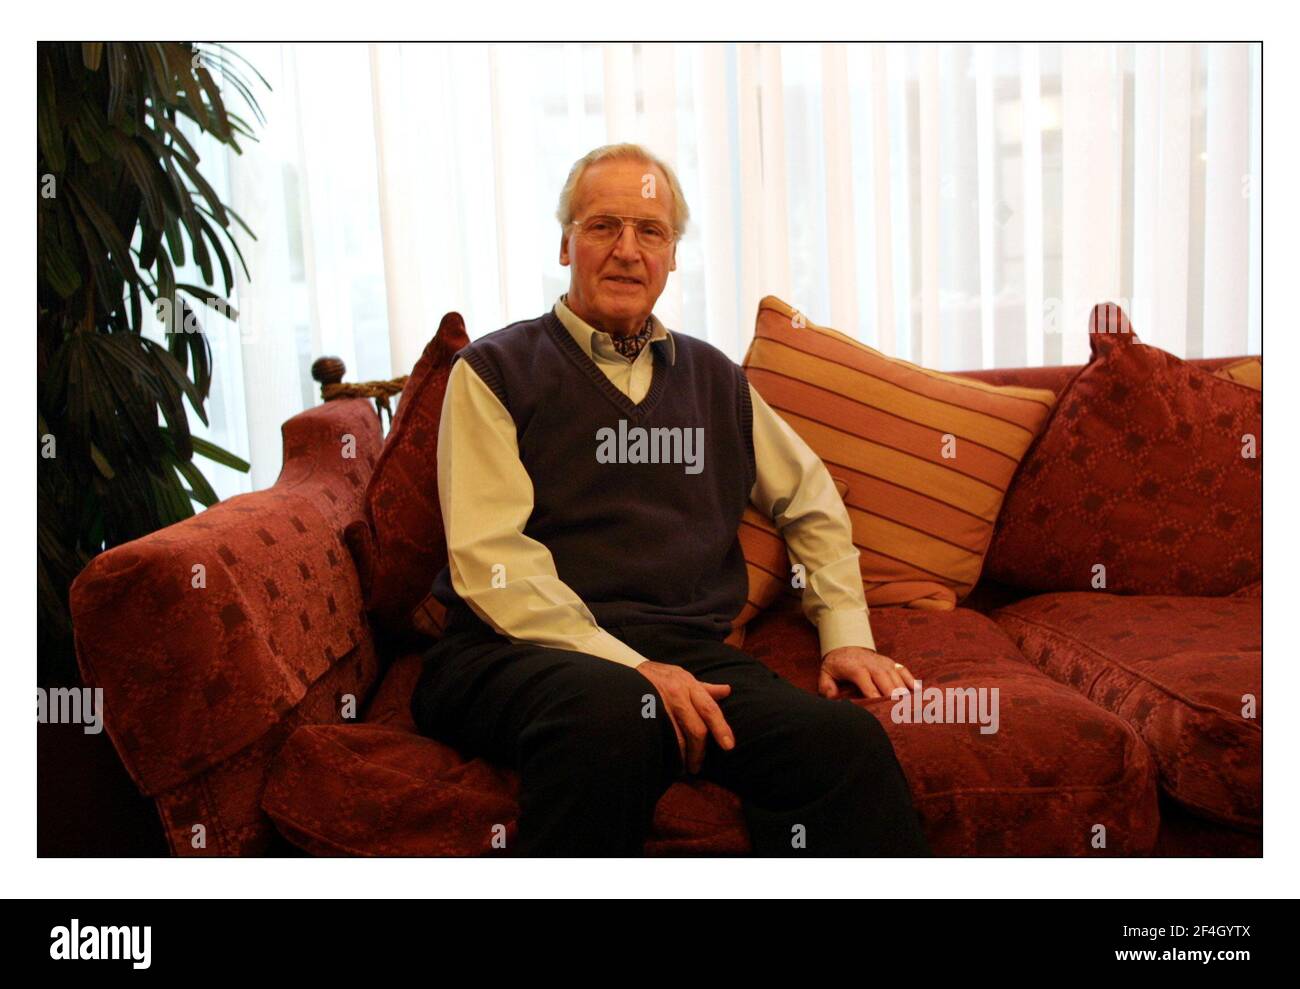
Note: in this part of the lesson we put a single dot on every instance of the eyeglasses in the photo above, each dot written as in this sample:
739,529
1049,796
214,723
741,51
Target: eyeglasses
603,229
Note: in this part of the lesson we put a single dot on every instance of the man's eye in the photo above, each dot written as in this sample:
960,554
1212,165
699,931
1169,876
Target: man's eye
655,230
600,226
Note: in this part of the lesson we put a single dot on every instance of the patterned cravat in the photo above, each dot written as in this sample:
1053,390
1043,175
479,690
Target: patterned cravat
630,346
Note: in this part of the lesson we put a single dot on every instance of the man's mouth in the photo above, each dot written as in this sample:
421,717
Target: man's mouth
621,279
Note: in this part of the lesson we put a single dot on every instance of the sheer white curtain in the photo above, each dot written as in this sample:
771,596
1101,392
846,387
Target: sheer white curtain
956,205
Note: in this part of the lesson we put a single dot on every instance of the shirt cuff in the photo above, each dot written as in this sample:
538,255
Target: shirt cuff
605,646
845,627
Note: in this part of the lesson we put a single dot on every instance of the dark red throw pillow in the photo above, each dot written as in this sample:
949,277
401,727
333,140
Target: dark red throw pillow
1147,480
401,546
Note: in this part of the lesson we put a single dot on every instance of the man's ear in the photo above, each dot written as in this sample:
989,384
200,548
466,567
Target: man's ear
564,248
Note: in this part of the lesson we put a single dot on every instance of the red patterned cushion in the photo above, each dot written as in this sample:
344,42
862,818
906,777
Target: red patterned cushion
400,546
226,800
380,788
1178,669
1057,767
1142,479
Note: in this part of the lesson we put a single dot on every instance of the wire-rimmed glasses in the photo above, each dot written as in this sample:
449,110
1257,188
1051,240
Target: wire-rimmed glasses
602,229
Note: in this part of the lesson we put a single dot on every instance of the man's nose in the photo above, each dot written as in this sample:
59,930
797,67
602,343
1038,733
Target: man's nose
626,246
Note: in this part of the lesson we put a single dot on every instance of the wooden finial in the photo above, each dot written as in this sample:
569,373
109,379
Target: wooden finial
328,371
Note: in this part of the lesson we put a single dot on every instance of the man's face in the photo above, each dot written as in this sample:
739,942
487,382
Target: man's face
595,294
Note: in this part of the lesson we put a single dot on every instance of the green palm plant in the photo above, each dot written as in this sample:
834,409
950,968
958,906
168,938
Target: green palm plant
122,204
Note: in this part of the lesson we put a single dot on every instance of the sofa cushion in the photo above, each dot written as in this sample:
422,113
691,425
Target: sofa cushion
1185,672
380,788
219,812
1056,768
400,545
927,456
1148,480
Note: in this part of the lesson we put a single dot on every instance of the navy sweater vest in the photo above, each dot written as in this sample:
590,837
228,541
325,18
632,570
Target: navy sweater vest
639,504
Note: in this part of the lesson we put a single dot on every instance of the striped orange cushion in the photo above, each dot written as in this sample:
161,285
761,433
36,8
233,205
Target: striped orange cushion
927,456
1249,372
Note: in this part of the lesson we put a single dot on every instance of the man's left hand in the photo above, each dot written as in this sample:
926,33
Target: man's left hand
873,674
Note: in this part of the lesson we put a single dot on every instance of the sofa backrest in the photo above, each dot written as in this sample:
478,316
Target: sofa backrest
1058,376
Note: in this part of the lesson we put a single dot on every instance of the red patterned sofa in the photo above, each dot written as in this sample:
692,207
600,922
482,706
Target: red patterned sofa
251,691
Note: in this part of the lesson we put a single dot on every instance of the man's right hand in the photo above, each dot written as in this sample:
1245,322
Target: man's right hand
692,709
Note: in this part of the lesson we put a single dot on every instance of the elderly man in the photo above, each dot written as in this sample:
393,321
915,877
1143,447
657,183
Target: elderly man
592,469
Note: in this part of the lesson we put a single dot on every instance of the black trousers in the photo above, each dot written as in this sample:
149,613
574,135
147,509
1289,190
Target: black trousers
595,748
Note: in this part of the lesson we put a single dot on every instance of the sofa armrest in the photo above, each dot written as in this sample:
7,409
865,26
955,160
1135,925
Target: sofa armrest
206,633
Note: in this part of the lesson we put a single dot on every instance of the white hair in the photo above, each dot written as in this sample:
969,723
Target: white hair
626,152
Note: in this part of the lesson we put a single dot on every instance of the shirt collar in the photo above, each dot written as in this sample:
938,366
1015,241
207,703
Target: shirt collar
584,332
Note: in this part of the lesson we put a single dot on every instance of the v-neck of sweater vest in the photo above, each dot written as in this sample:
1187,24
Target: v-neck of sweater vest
635,410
